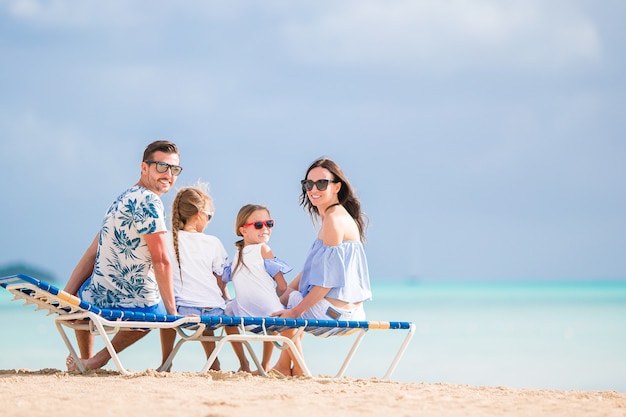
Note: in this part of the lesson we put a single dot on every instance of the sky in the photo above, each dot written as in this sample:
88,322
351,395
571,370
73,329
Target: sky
486,139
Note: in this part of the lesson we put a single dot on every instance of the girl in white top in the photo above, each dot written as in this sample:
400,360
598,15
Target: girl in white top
256,274
198,264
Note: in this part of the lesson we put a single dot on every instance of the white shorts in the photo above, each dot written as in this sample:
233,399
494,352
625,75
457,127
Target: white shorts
324,310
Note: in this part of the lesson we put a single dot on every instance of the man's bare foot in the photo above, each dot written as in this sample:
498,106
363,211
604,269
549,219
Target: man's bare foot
72,366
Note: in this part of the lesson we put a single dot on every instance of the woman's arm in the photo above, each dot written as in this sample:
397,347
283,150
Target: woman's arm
312,298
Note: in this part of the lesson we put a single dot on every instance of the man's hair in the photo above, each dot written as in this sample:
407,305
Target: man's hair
159,146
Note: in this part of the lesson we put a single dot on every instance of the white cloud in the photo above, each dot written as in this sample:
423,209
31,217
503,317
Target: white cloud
449,35
405,35
89,13
56,12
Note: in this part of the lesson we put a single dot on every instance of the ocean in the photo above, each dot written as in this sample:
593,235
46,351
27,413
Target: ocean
566,336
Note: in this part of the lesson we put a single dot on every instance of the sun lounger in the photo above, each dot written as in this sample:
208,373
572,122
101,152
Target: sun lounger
74,313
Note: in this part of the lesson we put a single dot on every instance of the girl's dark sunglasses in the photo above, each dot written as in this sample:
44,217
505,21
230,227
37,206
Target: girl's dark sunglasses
307,185
259,225
163,167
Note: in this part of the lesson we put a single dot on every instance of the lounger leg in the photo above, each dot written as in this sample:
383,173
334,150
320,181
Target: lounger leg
403,347
283,342
254,357
353,349
170,359
298,357
265,338
70,347
213,356
109,346
219,345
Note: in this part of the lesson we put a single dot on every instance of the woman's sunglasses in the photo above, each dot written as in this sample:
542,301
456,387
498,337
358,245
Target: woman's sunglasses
307,185
259,225
163,167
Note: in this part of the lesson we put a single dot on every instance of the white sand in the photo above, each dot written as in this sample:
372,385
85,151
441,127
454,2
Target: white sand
51,392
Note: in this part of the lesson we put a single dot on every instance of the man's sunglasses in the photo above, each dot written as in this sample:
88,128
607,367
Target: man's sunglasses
307,185
163,167
259,225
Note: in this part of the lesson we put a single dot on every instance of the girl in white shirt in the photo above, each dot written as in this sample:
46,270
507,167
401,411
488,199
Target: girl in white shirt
198,264
256,274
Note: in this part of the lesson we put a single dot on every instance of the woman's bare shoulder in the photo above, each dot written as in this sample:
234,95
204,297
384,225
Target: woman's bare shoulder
338,227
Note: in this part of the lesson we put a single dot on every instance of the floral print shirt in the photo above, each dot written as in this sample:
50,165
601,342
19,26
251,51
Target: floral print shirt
123,276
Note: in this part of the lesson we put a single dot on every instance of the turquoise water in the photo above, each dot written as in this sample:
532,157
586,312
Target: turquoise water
552,336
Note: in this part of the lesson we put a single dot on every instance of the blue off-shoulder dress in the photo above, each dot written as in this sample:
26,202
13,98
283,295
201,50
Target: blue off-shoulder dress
342,268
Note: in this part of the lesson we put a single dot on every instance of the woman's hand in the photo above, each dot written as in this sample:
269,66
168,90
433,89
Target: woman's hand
285,314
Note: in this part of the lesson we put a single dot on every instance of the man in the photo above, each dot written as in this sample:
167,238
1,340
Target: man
127,264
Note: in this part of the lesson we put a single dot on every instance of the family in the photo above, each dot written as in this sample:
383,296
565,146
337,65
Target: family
136,263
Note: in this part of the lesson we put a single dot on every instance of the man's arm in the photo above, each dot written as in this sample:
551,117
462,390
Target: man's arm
157,245
84,268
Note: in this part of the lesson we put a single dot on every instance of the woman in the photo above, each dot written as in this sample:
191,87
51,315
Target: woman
334,282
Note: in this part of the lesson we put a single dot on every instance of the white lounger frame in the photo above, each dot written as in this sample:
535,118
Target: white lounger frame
71,312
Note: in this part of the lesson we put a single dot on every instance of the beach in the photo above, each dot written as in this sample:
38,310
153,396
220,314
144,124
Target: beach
52,392
564,337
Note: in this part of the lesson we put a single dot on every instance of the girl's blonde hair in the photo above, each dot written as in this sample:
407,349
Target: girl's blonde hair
242,218
188,202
